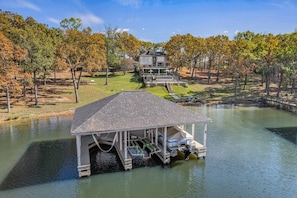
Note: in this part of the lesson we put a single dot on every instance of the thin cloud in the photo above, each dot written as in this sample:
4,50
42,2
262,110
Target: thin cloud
282,4
90,19
56,21
29,5
121,30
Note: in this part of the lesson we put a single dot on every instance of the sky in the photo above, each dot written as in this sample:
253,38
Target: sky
158,20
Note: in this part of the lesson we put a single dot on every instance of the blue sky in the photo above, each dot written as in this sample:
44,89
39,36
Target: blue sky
158,20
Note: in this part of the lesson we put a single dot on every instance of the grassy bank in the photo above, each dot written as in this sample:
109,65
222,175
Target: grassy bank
57,97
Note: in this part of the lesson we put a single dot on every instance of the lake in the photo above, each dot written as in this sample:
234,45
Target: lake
251,152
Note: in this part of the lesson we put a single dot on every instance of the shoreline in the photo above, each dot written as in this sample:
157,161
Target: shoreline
249,102
23,117
37,116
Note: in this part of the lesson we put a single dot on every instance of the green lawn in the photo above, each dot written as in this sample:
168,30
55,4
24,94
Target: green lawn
92,89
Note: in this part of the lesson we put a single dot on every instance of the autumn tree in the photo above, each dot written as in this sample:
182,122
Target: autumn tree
69,51
34,37
175,49
194,50
267,46
286,61
236,63
95,49
247,47
129,49
10,55
222,46
211,54
80,50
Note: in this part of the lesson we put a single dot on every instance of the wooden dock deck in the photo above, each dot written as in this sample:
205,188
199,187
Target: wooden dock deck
282,104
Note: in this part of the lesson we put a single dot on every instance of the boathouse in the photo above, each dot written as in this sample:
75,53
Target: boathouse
136,123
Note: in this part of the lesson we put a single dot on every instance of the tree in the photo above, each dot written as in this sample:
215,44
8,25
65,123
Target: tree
222,46
32,36
266,50
112,45
236,62
246,47
40,50
10,54
194,50
129,47
95,50
80,50
175,49
211,54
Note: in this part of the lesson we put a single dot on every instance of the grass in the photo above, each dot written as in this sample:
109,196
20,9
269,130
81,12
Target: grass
59,99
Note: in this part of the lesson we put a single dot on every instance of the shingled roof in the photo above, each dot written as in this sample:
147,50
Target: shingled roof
131,110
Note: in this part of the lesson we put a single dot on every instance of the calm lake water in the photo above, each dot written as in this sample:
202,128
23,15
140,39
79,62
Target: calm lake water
249,154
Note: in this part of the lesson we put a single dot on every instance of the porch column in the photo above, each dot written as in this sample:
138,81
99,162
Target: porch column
129,140
121,141
156,136
152,135
144,133
204,134
78,149
125,144
164,143
193,130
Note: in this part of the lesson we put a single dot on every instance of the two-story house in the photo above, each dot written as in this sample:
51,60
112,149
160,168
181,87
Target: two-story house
155,68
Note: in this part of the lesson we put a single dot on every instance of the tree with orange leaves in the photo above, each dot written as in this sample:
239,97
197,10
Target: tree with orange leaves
10,54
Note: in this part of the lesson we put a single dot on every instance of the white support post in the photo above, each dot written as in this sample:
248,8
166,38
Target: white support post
193,134
125,144
164,143
78,149
156,136
129,140
204,134
121,141
152,135
193,130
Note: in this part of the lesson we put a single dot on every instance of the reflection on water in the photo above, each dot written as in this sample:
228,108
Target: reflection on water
244,159
289,133
43,162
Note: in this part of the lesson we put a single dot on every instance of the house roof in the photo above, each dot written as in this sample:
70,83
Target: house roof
131,110
153,53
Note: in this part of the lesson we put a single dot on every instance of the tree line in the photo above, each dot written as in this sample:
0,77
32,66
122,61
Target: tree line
274,57
31,51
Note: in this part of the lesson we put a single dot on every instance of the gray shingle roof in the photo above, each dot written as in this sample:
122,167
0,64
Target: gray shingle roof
131,110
